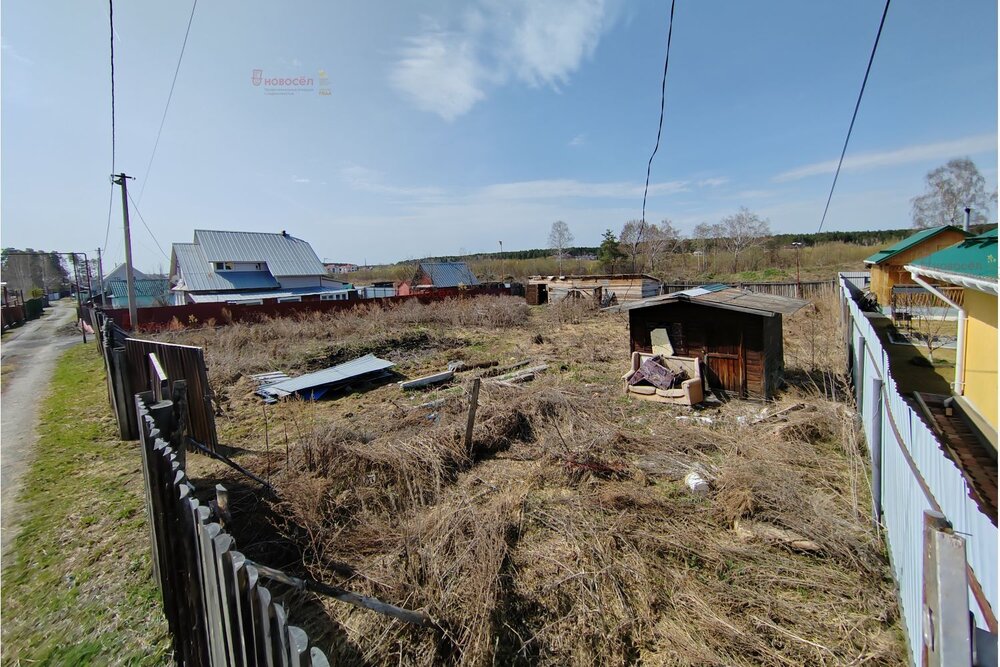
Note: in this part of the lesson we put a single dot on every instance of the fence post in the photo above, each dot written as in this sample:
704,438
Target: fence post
859,370
947,631
876,450
118,381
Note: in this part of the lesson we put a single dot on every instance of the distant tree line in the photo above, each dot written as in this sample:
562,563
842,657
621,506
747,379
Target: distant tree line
33,272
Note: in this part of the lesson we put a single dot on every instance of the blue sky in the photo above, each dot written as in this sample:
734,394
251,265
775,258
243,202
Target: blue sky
450,126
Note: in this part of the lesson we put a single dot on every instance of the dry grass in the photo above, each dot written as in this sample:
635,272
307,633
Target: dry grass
566,534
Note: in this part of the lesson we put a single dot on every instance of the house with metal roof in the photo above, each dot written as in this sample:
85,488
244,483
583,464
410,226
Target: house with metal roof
736,334
972,266
121,273
439,275
887,265
249,267
148,292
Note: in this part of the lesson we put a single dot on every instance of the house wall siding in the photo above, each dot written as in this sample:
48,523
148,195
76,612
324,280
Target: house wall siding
891,272
981,354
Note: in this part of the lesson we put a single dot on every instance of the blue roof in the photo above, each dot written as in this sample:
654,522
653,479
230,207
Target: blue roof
198,276
151,287
449,274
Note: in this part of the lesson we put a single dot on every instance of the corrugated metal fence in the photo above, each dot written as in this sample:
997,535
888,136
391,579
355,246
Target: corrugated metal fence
218,611
914,475
801,290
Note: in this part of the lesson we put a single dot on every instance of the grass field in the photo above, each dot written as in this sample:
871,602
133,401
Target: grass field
77,586
566,535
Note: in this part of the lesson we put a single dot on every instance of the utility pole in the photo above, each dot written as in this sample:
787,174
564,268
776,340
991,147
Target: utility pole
100,279
502,281
133,316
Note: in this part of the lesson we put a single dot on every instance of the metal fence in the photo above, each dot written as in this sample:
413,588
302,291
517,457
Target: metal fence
810,289
910,475
217,609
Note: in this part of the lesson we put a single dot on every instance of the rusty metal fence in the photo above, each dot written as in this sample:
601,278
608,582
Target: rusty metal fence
217,609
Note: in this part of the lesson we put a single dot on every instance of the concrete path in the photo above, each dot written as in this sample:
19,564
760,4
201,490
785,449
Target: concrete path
31,352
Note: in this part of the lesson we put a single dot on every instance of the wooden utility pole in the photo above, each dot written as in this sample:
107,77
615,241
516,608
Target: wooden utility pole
133,316
79,304
471,423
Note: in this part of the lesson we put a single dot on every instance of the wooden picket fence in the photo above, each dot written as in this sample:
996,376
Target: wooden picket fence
217,609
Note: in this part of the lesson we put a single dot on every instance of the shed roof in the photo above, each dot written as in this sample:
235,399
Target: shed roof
727,298
909,242
335,375
285,255
449,274
199,276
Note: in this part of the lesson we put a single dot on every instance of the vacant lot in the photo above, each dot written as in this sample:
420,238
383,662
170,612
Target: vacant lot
566,535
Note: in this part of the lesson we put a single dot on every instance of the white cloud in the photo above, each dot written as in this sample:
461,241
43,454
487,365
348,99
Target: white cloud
299,179
712,182
439,73
10,52
563,188
363,179
538,43
943,150
578,140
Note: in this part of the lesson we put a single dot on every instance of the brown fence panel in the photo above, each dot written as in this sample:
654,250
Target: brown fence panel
181,362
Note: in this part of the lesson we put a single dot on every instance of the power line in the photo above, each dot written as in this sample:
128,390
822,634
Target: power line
111,197
854,116
153,236
659,130
169,97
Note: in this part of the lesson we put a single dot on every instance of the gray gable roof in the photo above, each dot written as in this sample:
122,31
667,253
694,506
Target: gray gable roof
198,275
449,274
121,274
285,255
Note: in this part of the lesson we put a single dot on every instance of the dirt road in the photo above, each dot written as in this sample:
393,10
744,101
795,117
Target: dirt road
30,354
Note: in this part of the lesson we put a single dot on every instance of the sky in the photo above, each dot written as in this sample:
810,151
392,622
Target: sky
385,131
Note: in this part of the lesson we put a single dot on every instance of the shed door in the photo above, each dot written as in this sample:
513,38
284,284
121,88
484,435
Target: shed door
724,358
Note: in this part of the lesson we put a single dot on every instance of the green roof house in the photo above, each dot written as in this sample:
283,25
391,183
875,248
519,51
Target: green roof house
886,265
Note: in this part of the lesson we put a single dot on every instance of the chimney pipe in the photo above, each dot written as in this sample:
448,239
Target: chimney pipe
968,215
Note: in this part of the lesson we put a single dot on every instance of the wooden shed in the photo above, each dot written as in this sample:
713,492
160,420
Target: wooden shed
735,333
886,265
625,287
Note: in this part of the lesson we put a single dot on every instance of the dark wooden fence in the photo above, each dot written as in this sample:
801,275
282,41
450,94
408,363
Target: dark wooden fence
217,609
797,290
127,366
199,314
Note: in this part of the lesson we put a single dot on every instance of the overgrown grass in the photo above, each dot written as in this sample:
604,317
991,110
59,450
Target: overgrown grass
77,583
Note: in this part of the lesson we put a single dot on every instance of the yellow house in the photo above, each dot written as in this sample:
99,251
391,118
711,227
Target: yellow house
971,265
888,266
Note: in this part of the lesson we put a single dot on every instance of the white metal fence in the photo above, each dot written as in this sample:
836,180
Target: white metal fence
912,474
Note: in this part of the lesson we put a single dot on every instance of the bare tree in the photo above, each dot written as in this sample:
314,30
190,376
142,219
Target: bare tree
560,238
631,239
661,240
703,233
741,231
950,189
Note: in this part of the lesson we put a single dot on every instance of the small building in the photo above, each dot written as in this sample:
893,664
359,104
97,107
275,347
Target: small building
735,333
249,268
438,275
887,266
971,265
377,290
340,267
616,288
148,292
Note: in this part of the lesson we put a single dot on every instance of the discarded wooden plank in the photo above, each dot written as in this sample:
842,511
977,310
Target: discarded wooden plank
494,372
522,374
436,378
779,413
471,423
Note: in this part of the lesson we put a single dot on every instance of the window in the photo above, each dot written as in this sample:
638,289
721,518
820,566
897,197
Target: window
223,266
248,302
335,296
289,299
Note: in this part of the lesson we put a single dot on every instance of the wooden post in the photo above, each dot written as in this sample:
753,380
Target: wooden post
473,403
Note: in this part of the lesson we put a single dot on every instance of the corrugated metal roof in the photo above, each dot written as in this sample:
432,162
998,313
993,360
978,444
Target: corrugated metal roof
975,257
152,287
121,274
334,375
198,275
908,242
729,298
285,255
449,274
